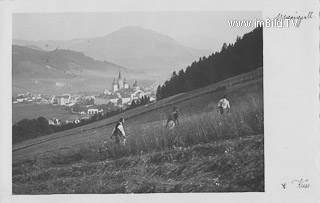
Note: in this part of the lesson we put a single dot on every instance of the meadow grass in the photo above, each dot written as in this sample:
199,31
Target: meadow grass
207,152
222,166
246,118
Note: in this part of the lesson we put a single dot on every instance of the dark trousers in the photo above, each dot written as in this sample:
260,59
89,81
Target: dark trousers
223,111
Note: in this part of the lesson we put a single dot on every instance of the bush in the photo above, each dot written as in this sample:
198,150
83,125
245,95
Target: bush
28,129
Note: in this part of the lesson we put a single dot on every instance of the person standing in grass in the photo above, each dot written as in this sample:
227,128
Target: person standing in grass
173,117
223,105
118,132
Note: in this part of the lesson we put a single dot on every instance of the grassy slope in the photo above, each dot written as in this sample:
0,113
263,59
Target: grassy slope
206,153
155,112
228,165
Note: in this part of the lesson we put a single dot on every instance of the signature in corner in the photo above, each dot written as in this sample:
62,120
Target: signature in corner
302,183
298,18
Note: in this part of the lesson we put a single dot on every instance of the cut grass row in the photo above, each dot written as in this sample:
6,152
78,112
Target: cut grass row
226,165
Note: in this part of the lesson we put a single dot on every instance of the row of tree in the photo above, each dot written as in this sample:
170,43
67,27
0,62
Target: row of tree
139,102
31,128
245,55
94,118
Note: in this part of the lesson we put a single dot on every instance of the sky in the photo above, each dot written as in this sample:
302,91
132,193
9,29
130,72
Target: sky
196,28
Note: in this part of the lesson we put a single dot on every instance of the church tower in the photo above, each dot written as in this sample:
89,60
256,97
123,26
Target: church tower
120,81
114,85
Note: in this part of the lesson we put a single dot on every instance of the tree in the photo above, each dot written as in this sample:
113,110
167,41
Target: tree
238,38
145,100
28,129
76,108
224,47
243,56
43,125
119,102
133,104
158,93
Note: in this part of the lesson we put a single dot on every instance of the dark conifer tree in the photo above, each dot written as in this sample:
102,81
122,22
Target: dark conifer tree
243,56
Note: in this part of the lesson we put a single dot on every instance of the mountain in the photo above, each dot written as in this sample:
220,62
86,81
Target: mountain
61,62
131,47
34,69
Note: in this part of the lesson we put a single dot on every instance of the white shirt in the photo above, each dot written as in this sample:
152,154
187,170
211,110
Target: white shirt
224,103
120,127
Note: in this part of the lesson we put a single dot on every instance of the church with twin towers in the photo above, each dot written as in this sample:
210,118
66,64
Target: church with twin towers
120,93
121,83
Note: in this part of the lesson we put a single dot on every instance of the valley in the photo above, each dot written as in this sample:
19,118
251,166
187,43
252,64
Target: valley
206,153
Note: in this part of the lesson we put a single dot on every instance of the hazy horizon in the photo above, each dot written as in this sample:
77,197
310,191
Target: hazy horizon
202,30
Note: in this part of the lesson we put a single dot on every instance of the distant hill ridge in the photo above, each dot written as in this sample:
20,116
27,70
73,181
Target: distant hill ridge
132,47
63,60
35,70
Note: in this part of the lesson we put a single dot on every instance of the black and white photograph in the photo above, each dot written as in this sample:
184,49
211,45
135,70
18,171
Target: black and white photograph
140,102
133,100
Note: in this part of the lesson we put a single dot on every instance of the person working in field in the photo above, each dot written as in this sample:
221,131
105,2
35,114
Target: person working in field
118,132
223,105
173,117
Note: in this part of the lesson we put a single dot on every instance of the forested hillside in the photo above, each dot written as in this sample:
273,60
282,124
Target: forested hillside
245,55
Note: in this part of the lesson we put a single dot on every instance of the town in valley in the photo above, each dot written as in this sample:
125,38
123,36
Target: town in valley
120,95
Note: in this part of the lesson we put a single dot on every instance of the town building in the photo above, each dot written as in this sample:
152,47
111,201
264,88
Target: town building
21,100
138,94
102,99
135,86
54,121
107,92
63,99
120,93
93,111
